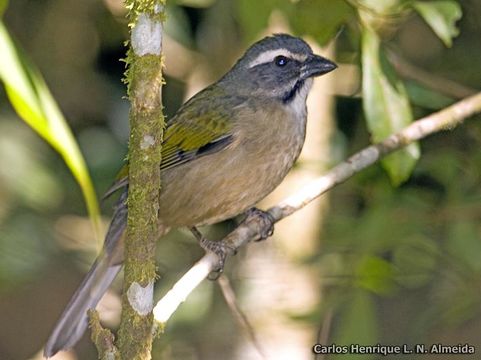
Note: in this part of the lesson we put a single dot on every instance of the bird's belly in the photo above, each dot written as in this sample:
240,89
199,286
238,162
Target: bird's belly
222,185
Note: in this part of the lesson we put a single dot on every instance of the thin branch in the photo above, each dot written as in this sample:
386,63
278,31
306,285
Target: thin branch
323,333
251,228
240,316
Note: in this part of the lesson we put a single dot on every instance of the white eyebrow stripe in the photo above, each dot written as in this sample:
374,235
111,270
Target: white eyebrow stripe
270,55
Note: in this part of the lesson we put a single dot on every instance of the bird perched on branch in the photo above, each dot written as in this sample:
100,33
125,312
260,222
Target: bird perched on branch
226,149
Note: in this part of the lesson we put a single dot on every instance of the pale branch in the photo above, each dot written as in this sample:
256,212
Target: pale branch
251,228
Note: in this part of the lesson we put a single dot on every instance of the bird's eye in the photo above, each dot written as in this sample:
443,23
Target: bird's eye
281,60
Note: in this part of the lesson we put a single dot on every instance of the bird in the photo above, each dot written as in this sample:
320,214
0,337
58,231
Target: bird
224,150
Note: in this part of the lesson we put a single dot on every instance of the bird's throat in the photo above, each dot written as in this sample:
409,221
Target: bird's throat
291,94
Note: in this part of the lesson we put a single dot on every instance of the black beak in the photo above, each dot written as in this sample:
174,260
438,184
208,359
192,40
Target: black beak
316,65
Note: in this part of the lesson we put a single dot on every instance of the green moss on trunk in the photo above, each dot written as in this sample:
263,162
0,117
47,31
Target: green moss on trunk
144,80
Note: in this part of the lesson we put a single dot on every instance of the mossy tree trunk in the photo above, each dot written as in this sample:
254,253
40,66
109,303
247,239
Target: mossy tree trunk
144,81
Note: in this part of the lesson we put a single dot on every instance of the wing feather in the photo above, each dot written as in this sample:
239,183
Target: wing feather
194,132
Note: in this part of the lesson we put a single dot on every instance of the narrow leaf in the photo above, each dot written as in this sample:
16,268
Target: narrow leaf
386,106
441,16
34,103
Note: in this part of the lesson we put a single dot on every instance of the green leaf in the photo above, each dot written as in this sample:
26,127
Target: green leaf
441,16
320,19
34,103
386,106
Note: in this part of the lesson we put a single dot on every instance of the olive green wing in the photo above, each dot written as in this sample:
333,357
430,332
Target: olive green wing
186,140
191,134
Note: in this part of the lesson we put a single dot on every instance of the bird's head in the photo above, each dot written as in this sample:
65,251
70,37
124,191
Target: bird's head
278,67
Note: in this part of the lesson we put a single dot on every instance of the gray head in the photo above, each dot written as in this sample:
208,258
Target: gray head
278,66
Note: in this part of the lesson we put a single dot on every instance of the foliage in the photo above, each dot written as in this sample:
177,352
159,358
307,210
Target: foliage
32,100
442,17
386,104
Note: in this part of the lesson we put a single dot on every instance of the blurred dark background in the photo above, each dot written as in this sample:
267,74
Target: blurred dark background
375,263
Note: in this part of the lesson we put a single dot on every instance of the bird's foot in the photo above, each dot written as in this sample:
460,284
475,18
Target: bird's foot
217,247
267,222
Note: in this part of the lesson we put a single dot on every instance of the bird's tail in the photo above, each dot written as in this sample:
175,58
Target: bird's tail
74,321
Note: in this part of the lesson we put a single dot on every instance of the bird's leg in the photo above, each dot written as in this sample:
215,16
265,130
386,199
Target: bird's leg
267,221
217,247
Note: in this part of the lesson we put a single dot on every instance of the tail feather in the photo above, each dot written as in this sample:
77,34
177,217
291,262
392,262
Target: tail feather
74,321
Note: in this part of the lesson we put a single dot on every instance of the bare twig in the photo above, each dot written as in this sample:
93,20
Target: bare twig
251,228
323,333
241,318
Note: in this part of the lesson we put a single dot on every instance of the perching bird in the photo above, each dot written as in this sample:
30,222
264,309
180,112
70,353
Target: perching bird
226,149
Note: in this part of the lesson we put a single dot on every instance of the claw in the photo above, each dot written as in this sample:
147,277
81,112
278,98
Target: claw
217,247
267,222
